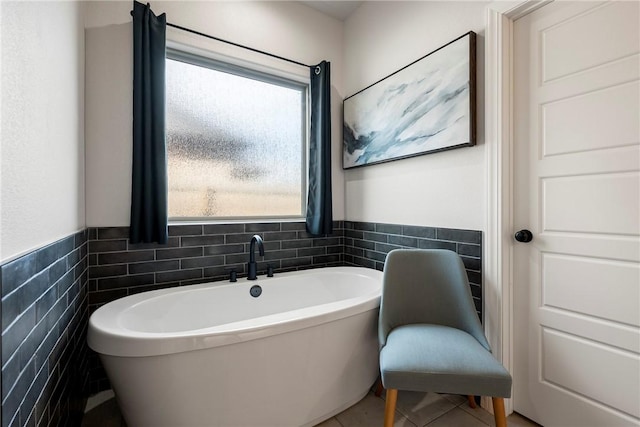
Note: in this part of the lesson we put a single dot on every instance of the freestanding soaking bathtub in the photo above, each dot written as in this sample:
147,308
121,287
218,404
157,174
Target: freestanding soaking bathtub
214,355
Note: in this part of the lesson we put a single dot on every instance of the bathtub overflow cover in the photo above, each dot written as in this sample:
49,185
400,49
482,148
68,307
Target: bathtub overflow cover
255,291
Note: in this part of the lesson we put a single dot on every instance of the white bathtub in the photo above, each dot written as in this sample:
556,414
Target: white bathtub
213,355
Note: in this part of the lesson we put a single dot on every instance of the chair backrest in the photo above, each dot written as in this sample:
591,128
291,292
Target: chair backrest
428,286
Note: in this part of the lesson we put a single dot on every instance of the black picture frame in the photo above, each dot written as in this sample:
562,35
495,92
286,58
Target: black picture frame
425,107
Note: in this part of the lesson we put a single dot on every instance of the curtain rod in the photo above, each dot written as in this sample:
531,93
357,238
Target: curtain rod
236,44
189,30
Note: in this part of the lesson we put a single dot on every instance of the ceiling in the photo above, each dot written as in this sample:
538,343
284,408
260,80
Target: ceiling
337,9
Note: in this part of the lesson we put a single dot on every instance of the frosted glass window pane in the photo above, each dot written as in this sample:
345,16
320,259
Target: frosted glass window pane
234,144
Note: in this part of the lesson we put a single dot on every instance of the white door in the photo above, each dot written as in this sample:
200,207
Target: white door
577,189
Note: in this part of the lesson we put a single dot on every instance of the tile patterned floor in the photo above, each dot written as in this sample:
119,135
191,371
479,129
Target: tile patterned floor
413,410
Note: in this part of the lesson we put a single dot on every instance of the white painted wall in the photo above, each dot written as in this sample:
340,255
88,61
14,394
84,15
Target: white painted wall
42,130
287,29
444,189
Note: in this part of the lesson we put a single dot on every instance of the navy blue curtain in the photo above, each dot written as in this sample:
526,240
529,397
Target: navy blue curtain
319,205
149,175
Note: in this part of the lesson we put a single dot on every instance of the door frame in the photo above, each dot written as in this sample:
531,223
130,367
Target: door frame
498,244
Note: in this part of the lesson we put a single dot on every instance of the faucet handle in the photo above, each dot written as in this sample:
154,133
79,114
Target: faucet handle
233,274
269,270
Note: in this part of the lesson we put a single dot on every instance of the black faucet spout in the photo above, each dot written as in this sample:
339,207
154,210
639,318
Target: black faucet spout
252,268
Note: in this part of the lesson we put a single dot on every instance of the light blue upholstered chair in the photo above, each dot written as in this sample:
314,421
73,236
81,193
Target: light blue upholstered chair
431,339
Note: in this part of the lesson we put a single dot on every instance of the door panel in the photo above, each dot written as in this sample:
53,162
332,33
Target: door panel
608,119
564,277
582,37
612,387
577,188
591,203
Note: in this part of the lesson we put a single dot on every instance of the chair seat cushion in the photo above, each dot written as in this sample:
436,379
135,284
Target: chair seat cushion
441,359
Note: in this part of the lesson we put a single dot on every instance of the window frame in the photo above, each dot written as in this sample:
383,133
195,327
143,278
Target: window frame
271,76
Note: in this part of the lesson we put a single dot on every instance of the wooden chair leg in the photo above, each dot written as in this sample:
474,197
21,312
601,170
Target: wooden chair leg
472,401
498,412
390,407
379,388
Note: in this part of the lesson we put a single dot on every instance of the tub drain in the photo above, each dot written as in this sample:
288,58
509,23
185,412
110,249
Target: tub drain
255,291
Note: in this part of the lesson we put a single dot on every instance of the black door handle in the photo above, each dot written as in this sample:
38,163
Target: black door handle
524,236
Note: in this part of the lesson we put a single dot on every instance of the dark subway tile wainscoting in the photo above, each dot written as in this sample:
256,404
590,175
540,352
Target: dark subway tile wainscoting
44,323
199,254
367,244
204,253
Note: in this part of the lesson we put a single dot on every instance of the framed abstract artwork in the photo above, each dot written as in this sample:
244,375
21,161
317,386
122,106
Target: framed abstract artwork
425,107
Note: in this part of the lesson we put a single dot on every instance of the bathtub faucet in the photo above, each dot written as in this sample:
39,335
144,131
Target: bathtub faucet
252,267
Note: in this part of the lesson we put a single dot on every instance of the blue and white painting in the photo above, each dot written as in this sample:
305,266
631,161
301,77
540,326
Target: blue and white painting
425,107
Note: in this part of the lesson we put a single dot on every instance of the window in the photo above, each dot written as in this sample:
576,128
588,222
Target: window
236,141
